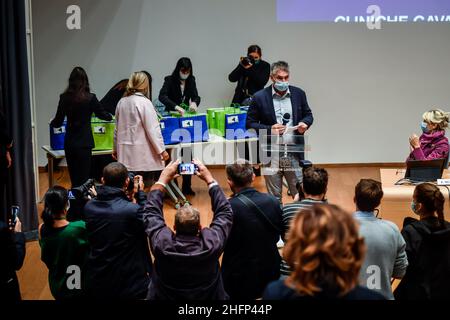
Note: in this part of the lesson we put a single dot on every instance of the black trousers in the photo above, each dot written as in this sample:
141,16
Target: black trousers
79,163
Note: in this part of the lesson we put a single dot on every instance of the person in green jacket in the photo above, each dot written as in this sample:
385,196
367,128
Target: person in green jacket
64,246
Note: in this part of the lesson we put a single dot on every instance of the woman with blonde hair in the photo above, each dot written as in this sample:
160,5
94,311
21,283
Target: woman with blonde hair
325,253
138,142
432,144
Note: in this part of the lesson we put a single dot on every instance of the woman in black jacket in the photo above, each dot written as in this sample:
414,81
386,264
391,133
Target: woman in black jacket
251,74
78,104
427,247
180,88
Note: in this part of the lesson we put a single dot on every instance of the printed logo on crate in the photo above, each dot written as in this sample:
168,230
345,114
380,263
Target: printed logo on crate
235,127
103,133
194,128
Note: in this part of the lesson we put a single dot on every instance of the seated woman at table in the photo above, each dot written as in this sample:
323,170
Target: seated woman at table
432,144
427,247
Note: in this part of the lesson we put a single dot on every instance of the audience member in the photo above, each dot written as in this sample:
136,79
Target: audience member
385,257
427,247
12,253
187,259
119,263
325,254
313,190
251,259
63,245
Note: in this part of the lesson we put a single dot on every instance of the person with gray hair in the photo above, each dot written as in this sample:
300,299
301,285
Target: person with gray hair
251,259
432,144
281,110
187,260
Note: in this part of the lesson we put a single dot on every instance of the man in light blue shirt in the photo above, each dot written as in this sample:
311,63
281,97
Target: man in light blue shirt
386,256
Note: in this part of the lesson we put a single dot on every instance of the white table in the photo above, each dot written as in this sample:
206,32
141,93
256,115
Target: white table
217,150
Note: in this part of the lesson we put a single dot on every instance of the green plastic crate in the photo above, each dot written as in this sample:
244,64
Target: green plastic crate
216,119
103,133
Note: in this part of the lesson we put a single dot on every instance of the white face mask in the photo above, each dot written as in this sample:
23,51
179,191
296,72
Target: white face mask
184,76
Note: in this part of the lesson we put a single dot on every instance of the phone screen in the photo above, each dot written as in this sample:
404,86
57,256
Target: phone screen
187,168
14,214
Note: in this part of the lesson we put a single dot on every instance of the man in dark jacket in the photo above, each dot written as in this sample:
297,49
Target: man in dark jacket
281,110
251,259
12,253
187,261
119,261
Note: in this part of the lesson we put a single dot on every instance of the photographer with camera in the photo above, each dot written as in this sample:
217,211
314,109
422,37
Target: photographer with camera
251,75
12,254
187,260
119,263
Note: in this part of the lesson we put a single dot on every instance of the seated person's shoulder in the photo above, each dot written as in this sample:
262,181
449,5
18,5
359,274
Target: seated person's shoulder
390,226
79,225
277,290
363,293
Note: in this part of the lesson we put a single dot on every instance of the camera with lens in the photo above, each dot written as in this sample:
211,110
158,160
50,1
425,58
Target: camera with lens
247,61
78,197
83,191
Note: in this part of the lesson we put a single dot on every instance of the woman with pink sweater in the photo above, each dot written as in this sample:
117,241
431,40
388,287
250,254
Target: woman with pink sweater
432,144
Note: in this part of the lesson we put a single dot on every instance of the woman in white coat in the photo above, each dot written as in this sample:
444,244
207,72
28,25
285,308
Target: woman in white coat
138,142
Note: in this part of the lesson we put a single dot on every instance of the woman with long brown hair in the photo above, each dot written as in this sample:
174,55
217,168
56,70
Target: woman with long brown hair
325,253
427,247
78,104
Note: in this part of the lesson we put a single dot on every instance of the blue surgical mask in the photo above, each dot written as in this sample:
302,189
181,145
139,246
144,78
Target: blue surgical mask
424,127
414,207
281,86
257,61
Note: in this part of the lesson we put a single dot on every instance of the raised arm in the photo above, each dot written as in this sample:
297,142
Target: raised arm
58,120
220,227
99,110
164,96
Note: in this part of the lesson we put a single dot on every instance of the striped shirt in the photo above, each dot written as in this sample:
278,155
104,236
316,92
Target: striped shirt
289,211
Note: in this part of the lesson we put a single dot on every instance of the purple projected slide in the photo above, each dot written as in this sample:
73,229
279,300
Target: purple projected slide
356,10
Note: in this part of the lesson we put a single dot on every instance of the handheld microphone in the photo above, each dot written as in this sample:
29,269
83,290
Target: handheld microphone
286,118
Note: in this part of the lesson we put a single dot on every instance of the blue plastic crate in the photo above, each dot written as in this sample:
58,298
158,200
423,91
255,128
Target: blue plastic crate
235,127
193,128
57,136
169,127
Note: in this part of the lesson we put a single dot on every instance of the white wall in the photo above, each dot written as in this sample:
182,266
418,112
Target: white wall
367,88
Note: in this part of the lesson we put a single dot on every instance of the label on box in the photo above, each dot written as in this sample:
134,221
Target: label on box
187,123
233,119
59,130
99,130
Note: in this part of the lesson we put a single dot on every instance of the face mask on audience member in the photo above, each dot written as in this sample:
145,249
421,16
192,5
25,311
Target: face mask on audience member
281,85
414,207
424,127
184,76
